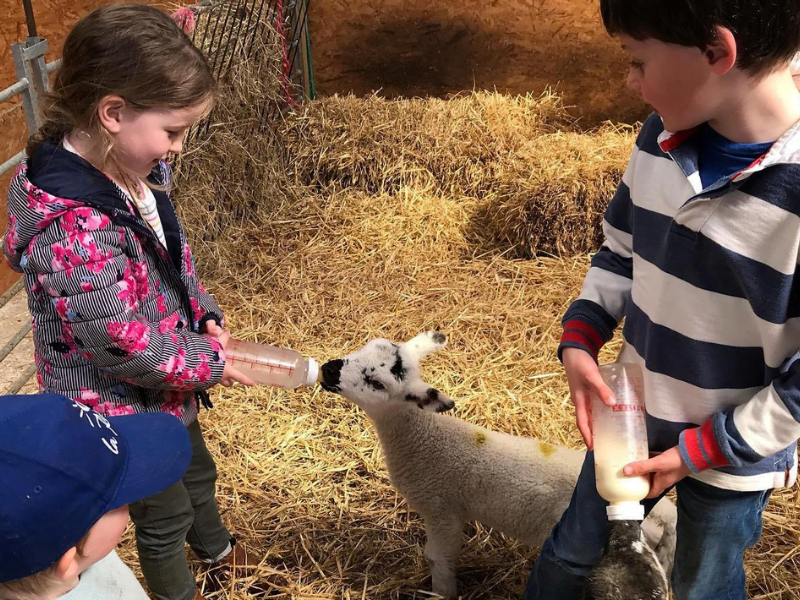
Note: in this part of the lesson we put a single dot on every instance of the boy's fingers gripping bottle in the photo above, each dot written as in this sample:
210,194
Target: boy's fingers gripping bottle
267,365
620,438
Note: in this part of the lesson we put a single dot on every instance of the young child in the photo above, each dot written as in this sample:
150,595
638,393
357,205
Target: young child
700,258
120,321
67,475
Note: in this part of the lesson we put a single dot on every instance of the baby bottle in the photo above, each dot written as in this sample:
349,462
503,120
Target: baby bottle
267,365
620,438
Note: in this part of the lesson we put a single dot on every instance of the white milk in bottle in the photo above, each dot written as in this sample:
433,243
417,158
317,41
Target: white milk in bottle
620,438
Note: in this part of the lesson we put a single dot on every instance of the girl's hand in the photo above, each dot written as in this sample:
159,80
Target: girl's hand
230,374
583,376
212,328
665,470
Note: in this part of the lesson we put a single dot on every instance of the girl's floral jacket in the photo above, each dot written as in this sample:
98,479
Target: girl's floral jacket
116,315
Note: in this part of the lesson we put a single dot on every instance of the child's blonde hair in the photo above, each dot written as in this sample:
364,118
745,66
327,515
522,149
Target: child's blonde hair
129,50
37,585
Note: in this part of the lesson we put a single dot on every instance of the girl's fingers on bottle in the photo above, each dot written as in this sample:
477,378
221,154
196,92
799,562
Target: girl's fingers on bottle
237,375
583,417
595,382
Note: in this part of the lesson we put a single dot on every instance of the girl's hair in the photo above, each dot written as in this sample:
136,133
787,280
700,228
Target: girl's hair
37,585
129,50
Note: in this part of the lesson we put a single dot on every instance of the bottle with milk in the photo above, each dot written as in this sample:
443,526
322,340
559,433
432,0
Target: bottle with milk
620,438
268,365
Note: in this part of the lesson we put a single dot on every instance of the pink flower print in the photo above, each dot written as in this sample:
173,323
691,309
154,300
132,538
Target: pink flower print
197,311
127,290
174,403
86,283
64,309
113,410
12,235
64,259
37,290
89,397
139,270
201,288
188,261
37,201
170,323
131,336
83,219
203,371
161,303
175,363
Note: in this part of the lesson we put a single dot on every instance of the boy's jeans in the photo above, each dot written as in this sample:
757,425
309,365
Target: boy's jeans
187,511
715,527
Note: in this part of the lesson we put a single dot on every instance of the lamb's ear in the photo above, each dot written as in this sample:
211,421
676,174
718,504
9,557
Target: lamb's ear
428,398
424,344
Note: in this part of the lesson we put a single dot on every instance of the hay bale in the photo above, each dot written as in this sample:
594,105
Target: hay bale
550,197
381,146
542,191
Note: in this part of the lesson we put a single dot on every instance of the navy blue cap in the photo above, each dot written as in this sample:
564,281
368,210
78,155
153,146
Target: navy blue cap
63,466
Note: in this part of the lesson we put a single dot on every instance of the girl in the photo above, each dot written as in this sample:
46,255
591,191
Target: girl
120,321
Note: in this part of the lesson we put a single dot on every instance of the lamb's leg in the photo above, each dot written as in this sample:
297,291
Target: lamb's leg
441,550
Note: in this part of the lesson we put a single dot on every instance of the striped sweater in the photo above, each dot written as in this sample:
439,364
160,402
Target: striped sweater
707,281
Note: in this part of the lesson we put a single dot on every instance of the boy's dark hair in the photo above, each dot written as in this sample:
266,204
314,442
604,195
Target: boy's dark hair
767,32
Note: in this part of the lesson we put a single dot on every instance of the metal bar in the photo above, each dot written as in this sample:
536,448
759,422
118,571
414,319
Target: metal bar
297,44
12,162
52,66
208,24
11,292
304,60
13,90
14,342
20,382
34,48
235,39
222,35
29,17
29,100
255,29
35,52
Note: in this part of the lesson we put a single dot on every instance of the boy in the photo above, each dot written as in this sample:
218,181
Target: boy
700,258
67,475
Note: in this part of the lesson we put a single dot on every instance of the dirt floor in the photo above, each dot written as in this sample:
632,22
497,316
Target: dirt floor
413,47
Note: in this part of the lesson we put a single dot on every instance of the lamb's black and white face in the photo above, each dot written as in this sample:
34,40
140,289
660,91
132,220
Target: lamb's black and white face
383,372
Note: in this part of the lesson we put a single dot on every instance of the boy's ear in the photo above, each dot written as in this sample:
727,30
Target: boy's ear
722,52
67,566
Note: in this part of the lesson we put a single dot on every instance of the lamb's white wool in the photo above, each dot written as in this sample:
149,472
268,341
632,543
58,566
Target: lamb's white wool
451,471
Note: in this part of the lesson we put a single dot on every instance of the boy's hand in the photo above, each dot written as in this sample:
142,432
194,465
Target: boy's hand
584,380
230,375
665,470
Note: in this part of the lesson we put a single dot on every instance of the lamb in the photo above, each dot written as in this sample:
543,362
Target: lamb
451,471
628,569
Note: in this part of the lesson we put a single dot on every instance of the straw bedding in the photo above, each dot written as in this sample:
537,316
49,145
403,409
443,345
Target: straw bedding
358,218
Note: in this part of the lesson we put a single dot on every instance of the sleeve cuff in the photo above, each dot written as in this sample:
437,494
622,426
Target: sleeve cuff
700,450
580,334
209,317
